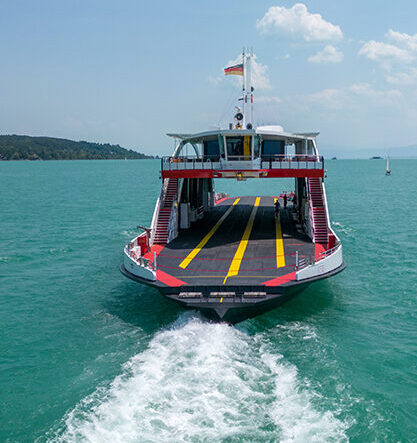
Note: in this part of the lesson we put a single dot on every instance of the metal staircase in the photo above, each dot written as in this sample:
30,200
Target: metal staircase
161,228
318,208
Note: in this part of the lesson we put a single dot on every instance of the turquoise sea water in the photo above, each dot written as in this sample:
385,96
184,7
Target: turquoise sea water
87,355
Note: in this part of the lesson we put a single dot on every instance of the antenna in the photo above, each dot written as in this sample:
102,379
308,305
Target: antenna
243,86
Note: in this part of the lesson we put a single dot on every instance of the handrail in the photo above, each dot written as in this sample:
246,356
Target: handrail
328,252
167,162
141,261
289,157
277,157
155,216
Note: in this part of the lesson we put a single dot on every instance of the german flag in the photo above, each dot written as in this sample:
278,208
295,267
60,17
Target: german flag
234,70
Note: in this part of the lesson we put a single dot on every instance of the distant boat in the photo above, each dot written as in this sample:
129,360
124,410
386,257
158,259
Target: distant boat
387,169
376,157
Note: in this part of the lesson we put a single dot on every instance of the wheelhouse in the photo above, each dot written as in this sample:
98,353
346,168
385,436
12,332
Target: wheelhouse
265,148
238,145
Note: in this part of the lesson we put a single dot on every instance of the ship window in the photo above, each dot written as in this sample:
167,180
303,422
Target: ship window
300,147
211,149
239,148
271,148
234,147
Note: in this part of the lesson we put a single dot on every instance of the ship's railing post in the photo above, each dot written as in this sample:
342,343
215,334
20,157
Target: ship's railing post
296,259
154,260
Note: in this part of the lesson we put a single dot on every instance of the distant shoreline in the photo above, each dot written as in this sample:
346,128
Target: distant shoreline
25,147
76,159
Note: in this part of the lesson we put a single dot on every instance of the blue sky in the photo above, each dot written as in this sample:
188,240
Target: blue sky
127,72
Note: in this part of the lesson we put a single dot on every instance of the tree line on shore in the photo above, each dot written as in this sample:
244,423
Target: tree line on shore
24,147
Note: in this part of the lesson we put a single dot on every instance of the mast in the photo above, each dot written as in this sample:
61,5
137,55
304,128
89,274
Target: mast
251,97
243,88
244,69
247,89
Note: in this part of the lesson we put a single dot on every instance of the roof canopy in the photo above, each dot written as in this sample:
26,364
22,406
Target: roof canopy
275,131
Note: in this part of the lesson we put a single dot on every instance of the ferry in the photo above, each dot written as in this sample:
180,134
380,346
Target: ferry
234,258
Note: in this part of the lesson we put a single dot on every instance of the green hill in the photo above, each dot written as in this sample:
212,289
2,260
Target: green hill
24,147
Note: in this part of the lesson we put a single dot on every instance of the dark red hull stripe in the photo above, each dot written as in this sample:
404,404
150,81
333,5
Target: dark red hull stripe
263,173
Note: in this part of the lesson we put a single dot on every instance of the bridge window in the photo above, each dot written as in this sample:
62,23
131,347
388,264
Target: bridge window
239,148
271,148
211,149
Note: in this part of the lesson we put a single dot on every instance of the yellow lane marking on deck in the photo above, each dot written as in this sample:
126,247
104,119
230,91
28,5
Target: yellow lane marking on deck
187,260
235,265
279,242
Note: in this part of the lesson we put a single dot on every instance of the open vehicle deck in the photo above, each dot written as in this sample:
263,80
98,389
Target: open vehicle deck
236,262
239,242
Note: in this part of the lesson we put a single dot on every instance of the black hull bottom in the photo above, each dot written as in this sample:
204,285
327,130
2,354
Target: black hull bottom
241,305
243,311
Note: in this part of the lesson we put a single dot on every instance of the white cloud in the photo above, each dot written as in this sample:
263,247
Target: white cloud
298,23
409,41
398,54
353,97
385,53
327,98
403,78
328,55
260,78
379,96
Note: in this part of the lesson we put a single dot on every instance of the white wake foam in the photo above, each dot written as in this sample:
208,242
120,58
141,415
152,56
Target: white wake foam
340,227
203,382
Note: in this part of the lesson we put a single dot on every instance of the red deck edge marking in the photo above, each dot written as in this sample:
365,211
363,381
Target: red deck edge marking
169,280
318,248
280,280
154,248
162,276
221,200
204,173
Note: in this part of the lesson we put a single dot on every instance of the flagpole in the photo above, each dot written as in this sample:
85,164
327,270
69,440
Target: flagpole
248,87
251,93
243,88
